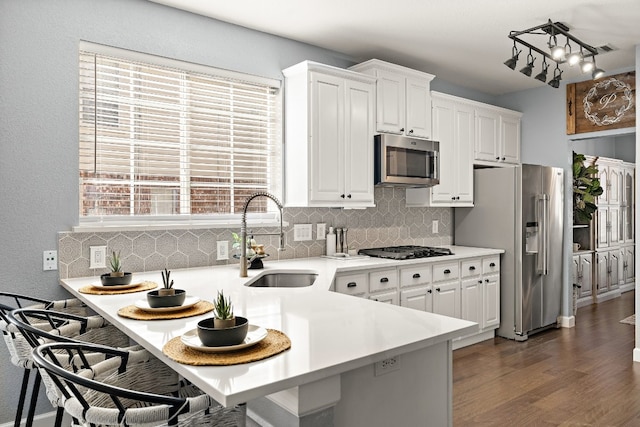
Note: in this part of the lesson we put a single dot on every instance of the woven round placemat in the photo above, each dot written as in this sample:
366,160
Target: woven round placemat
143,286
276,342
133,312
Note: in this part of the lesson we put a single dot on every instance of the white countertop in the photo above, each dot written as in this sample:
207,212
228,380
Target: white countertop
330,333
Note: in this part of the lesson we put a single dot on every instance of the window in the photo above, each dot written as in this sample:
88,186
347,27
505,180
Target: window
164,139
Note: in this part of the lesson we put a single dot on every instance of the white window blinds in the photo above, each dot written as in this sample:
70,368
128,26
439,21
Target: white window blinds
159,141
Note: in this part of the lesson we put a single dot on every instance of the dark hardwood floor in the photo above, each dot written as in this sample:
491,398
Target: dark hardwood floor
582,376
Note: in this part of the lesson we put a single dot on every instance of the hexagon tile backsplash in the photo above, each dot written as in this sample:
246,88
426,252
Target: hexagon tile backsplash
389,223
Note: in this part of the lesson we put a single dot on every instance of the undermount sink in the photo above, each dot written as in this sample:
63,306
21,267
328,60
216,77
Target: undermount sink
283,280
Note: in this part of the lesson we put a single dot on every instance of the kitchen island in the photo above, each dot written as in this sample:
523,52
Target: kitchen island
329,375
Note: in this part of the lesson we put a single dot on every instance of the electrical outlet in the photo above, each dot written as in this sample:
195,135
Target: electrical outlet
434,226
301,232
387,365
321,231
97,256
223,250
50,260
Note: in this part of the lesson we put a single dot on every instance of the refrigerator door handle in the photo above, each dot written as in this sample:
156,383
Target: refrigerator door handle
542,264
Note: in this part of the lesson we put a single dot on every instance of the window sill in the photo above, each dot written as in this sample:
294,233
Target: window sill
110,226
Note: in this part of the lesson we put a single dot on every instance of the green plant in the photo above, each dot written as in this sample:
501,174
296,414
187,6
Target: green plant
586,187
165,279
223,308
114,262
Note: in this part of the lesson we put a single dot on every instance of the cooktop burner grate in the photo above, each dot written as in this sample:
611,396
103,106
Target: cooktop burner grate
405,252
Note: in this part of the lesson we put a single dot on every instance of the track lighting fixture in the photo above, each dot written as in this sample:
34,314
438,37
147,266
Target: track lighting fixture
526,70
557,76
542,75
573,52
597,72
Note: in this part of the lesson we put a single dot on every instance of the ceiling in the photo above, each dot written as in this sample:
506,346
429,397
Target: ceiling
461,41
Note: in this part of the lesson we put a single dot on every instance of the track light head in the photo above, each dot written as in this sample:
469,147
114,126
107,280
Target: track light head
586,66
511,62
557,52
542,75
528,69
557,76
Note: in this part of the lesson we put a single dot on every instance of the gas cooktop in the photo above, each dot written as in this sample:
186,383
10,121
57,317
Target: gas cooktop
405,252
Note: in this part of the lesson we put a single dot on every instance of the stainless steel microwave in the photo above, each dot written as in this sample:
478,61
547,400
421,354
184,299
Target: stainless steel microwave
406,161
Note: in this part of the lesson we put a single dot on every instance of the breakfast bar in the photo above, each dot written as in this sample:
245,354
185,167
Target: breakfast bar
352,361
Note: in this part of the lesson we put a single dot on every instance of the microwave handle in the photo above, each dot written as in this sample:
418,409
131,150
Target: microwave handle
436,164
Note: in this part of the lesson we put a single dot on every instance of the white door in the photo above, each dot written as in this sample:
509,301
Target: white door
491,300
443,131
602,227
464,125
446,299
327,138
471,301
602,266
418,114
487,136
614,269
586,273
390,102
509,139
358,143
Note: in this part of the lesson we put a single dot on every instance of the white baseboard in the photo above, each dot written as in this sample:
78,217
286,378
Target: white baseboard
473,339
566,321
43,420
608,295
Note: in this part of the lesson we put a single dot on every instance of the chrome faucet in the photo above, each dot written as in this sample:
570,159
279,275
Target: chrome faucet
243,230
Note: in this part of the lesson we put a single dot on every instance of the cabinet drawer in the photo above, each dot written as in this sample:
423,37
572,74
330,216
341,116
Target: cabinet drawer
352,284
491,265
471,268
386,297
383,279
411,276
446,271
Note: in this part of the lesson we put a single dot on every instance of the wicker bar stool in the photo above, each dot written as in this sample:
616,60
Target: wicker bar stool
38,326
129,388
20,350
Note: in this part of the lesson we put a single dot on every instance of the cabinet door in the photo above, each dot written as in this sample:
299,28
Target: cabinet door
327,138
487,136
387,297
602,227
614,225
509,139
602,265
629,264
418,298
443,131
575,269
615,175
472,301
603,177
491,301
614,269
390,102
358,143
418,114
464,128
446,299
585,275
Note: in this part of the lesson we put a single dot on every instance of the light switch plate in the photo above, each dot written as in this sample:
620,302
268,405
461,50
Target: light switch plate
321,231
434,226
301,232
97,256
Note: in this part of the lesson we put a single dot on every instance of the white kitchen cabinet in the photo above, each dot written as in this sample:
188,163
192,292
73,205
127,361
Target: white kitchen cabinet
386,297
582,268
607,270
607,226
480,292
627,203
453,127
403,98
626,271
420,298
497,136
446,289
383,280
356,284
610,176
328,137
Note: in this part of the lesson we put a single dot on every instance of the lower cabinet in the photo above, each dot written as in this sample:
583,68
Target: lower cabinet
468,289
582,272
627,271
607,270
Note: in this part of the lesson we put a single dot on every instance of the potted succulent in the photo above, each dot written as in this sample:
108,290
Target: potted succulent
116,276
223,329
167,296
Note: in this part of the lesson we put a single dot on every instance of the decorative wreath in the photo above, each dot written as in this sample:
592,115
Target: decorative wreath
593,92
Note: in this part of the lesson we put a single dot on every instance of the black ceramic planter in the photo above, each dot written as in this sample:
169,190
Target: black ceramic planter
108,280
221,337
163,301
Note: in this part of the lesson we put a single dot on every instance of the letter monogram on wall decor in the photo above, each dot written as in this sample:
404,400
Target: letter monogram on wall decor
602,104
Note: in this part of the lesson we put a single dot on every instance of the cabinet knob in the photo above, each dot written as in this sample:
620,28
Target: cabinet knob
453,197
447,271
411,131
486,280
497,158
493,264
457,197
352,285
401,129
348,196
438,289
342,196
429,291
472,267
384,280
504,158
416,276
479,281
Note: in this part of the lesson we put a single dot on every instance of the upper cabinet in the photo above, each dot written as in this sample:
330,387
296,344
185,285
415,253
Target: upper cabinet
328,137
403,98
453,127
497,136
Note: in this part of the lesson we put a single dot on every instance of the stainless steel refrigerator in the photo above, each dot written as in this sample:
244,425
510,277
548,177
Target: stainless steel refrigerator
520,209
